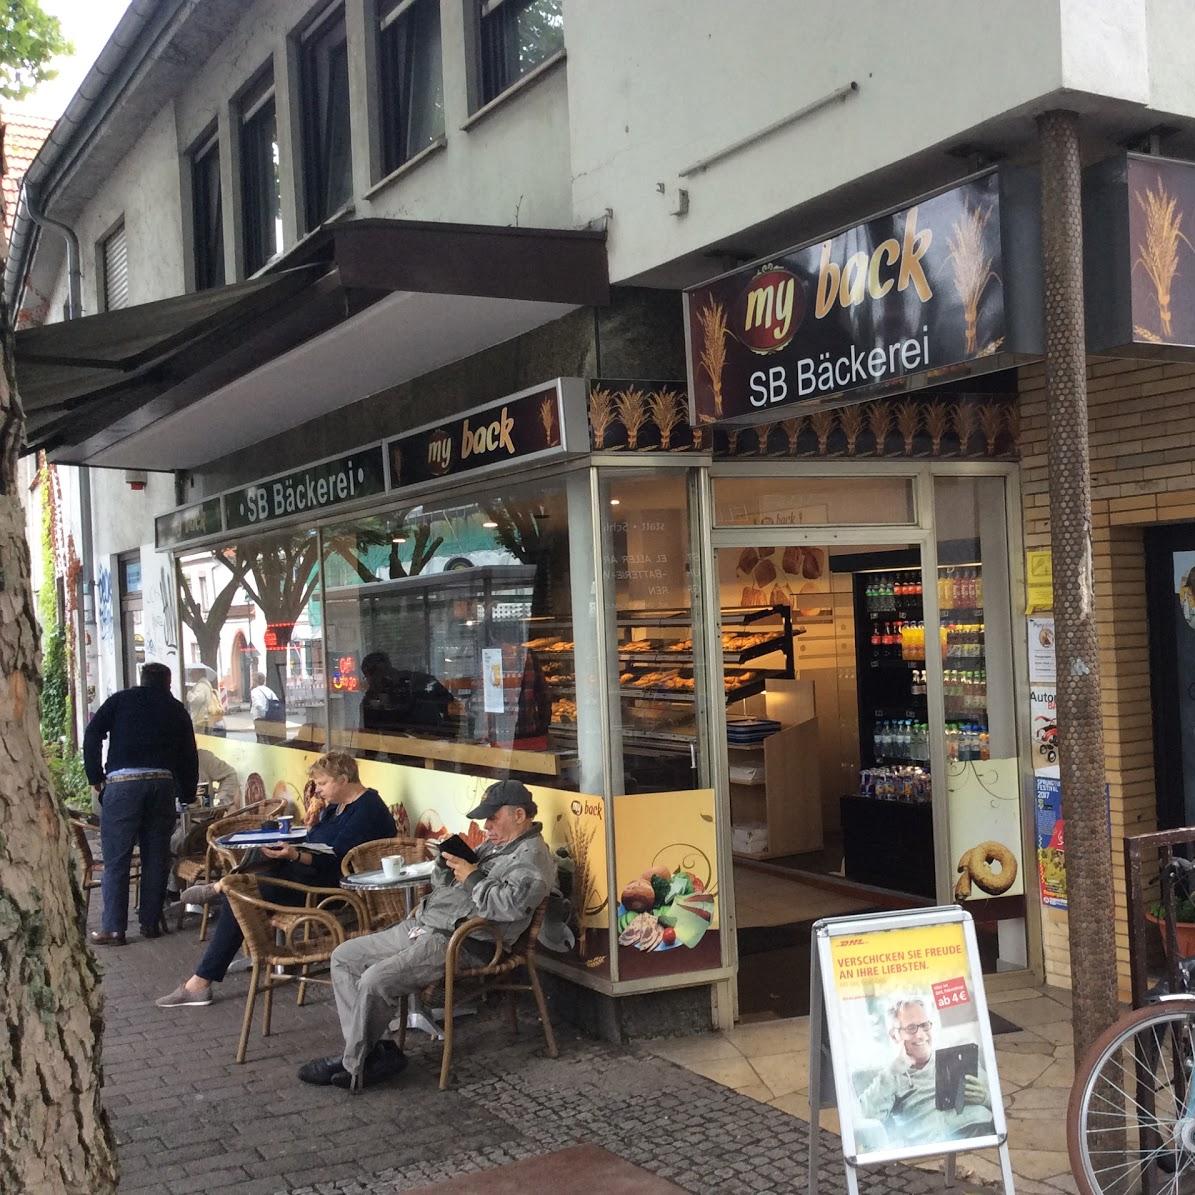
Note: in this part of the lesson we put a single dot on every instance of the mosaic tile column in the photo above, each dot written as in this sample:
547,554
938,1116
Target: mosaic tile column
1080,726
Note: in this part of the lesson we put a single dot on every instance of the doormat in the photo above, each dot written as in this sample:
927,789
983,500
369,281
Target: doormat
580,1170
1001,1024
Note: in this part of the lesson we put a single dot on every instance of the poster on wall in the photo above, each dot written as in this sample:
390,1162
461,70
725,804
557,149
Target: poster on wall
985,828
908,1034
667,884
433,804
1049,830
1043,665
1039,581
1043,722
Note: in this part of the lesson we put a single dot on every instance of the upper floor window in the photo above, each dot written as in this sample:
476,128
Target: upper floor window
328,161
207,214
114,269
516,37
261,196
411,77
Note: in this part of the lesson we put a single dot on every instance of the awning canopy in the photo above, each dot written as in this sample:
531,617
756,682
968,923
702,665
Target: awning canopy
351,310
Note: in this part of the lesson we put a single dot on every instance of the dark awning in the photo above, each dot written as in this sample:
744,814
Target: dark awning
350,310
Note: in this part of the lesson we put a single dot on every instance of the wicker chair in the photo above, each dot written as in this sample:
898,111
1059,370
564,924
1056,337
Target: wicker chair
385,908
493,976
91,869
278,935
216,861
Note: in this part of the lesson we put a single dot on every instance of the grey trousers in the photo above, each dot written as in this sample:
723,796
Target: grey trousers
371,974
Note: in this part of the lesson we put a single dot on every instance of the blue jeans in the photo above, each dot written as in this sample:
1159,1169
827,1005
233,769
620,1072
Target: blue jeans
227,937
135,813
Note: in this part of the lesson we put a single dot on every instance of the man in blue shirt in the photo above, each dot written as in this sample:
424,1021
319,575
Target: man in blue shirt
151,761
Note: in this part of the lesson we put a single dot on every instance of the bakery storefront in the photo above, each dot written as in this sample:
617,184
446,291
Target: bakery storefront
702,642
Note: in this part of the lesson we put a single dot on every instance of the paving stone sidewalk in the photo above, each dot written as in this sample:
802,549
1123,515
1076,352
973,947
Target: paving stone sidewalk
188,1119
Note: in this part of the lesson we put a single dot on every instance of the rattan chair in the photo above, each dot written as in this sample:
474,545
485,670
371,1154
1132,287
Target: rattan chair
215,861
385,908
493,976
279,936
91,869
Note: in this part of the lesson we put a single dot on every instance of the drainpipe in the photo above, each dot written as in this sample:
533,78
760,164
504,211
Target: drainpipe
74,309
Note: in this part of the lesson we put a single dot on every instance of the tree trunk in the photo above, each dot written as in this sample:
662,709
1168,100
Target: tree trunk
54,1135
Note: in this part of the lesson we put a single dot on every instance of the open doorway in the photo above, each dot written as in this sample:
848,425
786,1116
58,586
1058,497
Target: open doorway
828,760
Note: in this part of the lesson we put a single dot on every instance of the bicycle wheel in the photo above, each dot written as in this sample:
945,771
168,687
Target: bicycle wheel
1128,1127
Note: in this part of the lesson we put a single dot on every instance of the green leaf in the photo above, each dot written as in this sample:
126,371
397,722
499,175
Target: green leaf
29,38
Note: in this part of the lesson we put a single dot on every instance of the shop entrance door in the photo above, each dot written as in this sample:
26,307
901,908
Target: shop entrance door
1170,576
900,782
828,746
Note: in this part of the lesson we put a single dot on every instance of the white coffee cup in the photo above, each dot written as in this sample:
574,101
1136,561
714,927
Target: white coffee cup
392,866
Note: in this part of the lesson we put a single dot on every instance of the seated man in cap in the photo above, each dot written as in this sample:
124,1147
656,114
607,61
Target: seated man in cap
514,871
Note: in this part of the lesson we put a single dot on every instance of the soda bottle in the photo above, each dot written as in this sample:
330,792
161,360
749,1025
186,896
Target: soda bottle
979,588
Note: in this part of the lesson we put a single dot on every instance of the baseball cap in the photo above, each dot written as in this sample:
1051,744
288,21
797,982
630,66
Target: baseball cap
504,792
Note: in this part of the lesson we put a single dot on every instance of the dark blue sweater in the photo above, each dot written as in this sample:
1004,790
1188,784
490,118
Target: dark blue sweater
146,727
363,820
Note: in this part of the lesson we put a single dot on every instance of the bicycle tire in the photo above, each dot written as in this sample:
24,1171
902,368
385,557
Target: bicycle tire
1125,1029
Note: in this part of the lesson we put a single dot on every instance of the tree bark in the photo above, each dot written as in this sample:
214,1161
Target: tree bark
54,1134
1091,926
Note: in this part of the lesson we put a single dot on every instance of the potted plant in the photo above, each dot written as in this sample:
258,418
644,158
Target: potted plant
1184,927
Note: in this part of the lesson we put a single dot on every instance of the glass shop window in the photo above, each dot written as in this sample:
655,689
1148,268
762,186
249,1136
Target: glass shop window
451,641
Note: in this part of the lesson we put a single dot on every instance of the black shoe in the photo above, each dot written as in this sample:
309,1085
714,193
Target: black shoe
322,1071
383,1062
151,931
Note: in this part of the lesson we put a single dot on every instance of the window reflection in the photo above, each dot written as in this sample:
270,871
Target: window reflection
450,637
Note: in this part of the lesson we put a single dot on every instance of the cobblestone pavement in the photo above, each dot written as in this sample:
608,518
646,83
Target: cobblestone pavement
189,1119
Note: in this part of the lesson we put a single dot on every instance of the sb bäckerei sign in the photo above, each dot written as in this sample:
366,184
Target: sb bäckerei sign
917,290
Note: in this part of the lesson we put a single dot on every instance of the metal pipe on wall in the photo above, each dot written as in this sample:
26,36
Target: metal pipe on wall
74,309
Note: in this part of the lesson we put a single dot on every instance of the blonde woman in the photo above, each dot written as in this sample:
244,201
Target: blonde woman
352,814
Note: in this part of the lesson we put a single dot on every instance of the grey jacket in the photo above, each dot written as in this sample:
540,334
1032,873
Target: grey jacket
510,882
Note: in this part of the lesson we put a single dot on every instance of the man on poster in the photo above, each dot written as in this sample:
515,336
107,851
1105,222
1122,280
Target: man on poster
905,1096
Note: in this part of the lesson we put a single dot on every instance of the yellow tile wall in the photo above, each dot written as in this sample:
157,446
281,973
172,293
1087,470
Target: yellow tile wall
1142,436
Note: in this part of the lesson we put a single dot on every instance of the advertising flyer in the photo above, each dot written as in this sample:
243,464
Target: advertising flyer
491,679
1051,843
1043,665
665,866
910,1046
985,828
1039,581
1043,715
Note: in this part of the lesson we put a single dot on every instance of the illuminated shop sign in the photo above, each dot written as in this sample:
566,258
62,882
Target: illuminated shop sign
926,290
313,489
546,420
188,523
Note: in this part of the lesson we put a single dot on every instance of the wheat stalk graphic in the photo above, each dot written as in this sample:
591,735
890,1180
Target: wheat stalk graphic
792,431
965,422
1012,422
937,424
908,420
991,422
632,410
822,423
852,419
714,329
667,412
547,416
601,414
971,264
1158,253
879,420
